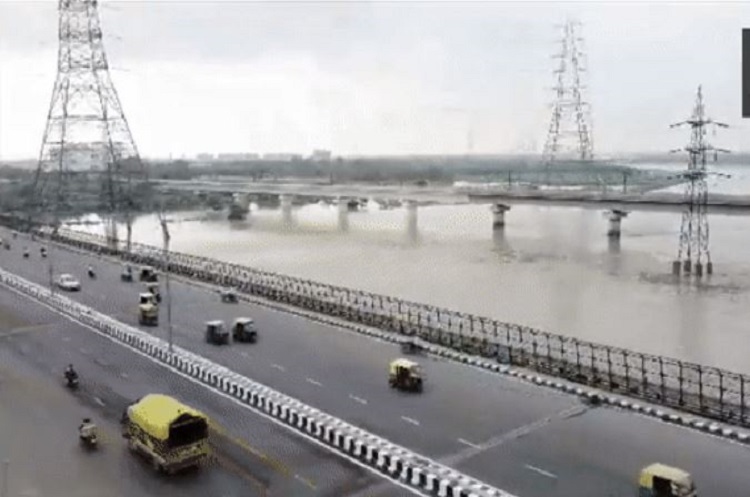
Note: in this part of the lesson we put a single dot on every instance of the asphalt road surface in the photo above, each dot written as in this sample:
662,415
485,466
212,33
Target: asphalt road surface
39,417
528,440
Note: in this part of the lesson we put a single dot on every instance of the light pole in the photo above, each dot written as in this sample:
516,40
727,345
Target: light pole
165,265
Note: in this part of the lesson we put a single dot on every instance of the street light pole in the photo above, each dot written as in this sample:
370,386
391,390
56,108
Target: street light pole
165,265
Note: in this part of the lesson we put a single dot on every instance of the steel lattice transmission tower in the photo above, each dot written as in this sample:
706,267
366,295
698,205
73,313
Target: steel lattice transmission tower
88,158
694,227
569,105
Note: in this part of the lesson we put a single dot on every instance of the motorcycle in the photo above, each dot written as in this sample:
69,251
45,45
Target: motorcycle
87,434
92,274
44,253
25,254
71,379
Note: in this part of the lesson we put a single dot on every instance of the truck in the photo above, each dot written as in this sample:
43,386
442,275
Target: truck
172,435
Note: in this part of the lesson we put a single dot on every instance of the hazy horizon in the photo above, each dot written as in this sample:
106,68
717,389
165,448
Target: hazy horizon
381,78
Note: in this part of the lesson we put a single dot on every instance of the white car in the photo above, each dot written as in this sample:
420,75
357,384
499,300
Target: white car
69,283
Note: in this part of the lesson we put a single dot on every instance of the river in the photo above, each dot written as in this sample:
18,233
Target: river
551,267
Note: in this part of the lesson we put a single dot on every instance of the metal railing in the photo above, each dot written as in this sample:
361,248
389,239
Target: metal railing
707,391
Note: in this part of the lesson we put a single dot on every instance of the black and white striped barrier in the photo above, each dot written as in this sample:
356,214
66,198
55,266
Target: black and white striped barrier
589,394
380,455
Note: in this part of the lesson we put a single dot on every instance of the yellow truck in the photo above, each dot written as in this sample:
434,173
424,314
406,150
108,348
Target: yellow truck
172,435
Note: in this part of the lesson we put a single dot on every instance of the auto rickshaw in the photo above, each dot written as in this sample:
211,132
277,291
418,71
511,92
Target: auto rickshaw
659,480
153,289
127,274
148,310
216,333
405,375
229,296
243,330
148,274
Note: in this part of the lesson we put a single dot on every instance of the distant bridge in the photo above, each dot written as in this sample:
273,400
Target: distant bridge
717,203
420,195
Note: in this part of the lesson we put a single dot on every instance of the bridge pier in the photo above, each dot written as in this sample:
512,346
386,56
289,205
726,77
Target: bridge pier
498,216
286,209
412,229
342,208
615,221
240,206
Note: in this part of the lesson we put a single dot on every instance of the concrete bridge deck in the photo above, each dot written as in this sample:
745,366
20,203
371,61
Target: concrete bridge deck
718,203
530,441
443,194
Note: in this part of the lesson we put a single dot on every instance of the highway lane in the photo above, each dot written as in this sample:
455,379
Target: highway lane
38,420
462,408
255,456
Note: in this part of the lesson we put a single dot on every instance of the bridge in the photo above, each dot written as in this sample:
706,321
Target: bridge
527,439
617,204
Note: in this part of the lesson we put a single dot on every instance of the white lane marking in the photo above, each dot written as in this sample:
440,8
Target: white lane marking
466,442
310,380
244,354
230,398
358,399
99,401
66,339
540,471
280,368
410,420
124,375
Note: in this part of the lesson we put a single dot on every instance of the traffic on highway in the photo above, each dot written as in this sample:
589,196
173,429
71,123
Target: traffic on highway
524,439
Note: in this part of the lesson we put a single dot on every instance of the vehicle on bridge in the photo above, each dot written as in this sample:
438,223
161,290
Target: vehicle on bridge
229,296
217,333
148,274
659,480
172,435
148,310
405,375
88,434
68,283
153,289
243,330
127,274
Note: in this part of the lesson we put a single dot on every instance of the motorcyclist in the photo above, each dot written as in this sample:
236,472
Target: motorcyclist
70,373
26,251
91,272
43,251
87,430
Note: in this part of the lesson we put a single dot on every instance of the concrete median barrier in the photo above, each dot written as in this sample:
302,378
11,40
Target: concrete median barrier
692,388
379,455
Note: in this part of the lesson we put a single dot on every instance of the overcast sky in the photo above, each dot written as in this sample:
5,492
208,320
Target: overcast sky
381,78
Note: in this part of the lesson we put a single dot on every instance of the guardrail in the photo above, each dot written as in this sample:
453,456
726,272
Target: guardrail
376,453
707,391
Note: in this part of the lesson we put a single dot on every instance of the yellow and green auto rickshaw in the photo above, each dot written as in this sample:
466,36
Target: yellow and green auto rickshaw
660,480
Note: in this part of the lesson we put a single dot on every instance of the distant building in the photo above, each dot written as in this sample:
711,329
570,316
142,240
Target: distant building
281,157
321,156
205,157
234,157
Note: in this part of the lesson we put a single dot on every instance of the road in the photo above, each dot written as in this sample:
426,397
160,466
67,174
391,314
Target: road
39,416
525,439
